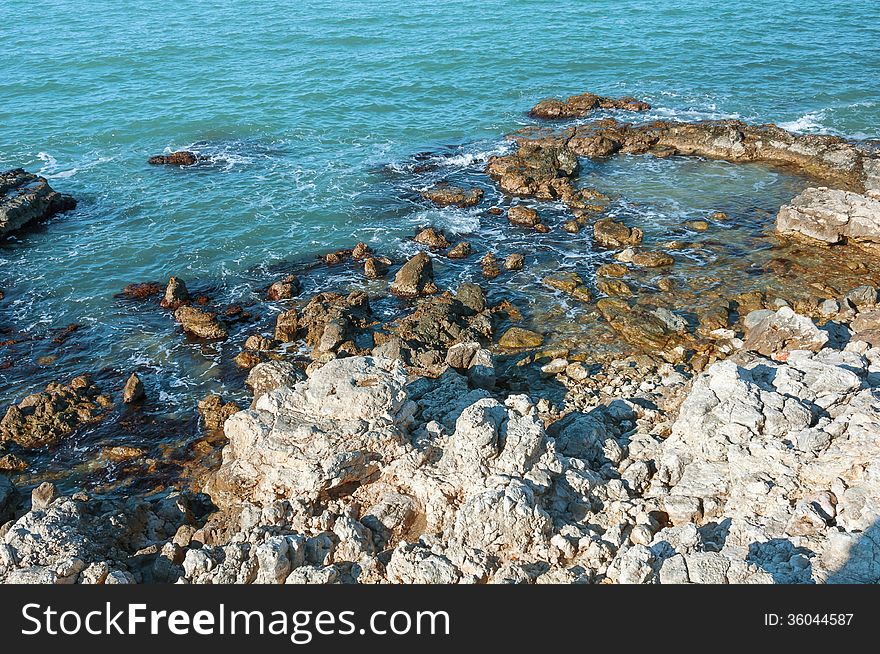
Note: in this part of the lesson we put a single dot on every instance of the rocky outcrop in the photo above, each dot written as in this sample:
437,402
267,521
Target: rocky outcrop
432,238
833,216
415,278
133,391
539,168
199,323
444,195
778,334
47,417
609,233
179,158
578,106
26,198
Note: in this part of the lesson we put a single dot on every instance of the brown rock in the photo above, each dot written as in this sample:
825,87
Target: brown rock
534,168
444,195
569,283
523,216
571,226
202,324
215,412
489,266
27,198
375,268
616,287
284,289
612,270
652,259
514,262
519,338
416,277
176,294
460,250
287,326
133,391
578,106
610,233
360,251
43,496
140,291
180,158
433,238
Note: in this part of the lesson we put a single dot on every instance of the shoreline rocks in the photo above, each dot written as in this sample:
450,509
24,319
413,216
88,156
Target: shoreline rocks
578,106
833,216
26,198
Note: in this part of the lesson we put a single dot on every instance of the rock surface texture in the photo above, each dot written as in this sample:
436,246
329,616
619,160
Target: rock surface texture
27,198
833,216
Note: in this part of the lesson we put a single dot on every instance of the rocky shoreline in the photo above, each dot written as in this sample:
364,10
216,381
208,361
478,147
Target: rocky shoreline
454,444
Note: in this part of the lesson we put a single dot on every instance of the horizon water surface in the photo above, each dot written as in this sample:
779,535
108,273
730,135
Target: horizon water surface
313,115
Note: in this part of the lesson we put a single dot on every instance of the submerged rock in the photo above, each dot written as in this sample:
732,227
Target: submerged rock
832,216
45,418
27,198
641,327
519,338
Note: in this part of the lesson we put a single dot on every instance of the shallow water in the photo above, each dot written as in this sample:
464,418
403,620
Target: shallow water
312,115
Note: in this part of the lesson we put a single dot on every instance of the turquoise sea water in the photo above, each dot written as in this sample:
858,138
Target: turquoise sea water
312,113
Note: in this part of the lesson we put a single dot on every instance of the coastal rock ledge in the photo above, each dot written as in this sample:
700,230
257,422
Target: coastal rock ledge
27,198
363,474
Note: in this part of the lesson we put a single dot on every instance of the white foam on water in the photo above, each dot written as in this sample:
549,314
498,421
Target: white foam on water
810,122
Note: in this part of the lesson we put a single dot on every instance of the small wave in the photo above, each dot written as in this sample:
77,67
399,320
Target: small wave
809,122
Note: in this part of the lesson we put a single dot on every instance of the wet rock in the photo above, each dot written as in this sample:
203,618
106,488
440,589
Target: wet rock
133,391
287,326
460,250
361,251
141,290
179,158
832,216
612,270
514,262
416,277
571,226
697,225
651,259
519,338
534,169
215,411
777,334
489,265
202,324
376,268
433,238
439,322
615,287
523,216
176,294
640,326
578,106
331,320
11,463
284,289
471,297
45,418
27,198
444,195
610,233
569,283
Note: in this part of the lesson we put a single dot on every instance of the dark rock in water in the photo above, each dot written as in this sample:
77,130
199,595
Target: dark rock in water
376,267
360,252
517,338
569,283
616,287
514,262
523,216
578,106
444,196
47,417
433,238
610,233
203,324
489,266
471,297
142,290
284,289
460,250
180,158
133,390
416,277
176,294
27,198
215,411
